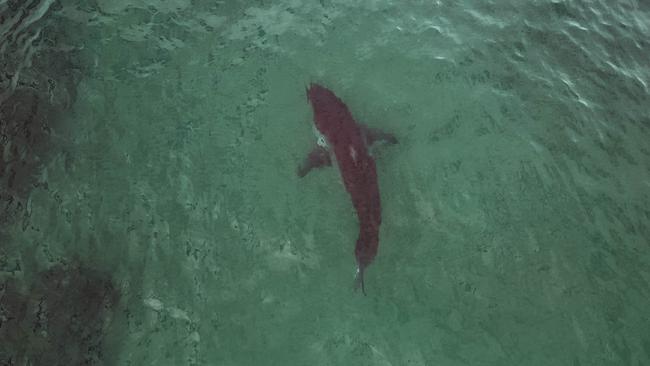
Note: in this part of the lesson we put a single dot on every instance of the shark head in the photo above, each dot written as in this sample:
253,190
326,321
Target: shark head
328,109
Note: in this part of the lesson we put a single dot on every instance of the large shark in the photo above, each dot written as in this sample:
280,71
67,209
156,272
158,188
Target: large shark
340,134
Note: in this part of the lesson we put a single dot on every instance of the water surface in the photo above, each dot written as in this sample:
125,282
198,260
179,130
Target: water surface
160,165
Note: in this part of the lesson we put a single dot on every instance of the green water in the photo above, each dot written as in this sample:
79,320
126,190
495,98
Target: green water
516,207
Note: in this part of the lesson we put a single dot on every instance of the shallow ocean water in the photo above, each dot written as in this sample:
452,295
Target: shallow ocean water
158,154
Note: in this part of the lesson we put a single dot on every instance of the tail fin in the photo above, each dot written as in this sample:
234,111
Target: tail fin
358,280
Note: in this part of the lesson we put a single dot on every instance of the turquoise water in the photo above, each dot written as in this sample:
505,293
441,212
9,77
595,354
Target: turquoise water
151,212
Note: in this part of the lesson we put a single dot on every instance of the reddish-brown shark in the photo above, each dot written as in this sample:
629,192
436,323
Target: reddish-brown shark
348,140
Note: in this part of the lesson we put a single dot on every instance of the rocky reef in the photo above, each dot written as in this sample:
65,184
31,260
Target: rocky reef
58,319
38,80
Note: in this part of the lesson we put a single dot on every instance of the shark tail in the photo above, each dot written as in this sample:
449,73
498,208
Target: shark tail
358,280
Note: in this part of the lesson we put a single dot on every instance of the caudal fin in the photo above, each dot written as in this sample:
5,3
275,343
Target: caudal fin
358,281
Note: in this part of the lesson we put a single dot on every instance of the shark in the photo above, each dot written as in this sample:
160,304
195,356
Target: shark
344,142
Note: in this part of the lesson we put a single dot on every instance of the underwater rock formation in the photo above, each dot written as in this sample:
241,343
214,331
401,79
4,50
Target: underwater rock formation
38,80
60,319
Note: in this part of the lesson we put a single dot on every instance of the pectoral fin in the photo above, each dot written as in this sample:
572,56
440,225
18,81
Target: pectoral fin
373,135
317,158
